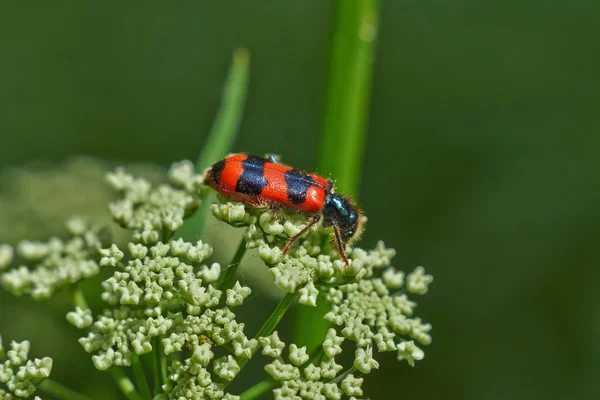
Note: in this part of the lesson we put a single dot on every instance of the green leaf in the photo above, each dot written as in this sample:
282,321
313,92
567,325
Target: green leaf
229,116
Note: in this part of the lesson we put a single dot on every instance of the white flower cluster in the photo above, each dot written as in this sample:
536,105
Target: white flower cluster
377,309
153,213
163,292
19,376
368,298
307,266
319,378
55,264
192,380
164,297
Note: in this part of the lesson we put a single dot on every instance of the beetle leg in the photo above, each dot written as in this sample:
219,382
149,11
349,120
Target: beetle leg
341,246
275,208
290,243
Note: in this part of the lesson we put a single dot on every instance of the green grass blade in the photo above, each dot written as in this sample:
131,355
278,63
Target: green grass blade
229,116
344,124
222,135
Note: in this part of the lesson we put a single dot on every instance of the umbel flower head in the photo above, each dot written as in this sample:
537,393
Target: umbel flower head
163,292
153,213
318,377
19,376
53,265
368,299
164,295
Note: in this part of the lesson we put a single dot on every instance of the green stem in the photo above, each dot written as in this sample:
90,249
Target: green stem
124,383
310,325
140,378
348,91
344,121
259,389
316,354
222,134
59,391
229,273
79,298
156,365
343,375
163,363
270,324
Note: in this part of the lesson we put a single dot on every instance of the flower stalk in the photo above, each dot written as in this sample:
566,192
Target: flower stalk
124,383
227,277
60,391
79,298
140,378
259,389
270,324
355,24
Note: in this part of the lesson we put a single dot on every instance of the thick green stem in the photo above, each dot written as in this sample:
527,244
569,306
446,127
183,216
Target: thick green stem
158,354
344,122
79,298
259,389
59,391
124,383
229,273
163,363
270,324
140,378
348,91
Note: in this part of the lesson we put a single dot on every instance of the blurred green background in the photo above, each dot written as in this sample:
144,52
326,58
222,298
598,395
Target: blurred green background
481,160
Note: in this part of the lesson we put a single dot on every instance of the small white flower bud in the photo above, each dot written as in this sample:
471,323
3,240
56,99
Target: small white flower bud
308,295
352,386
409,352
202,354
417,282
364,361
226,368
237,295
138,250
80,318
111,256
297,355
272,345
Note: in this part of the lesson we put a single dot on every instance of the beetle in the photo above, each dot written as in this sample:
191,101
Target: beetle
258,181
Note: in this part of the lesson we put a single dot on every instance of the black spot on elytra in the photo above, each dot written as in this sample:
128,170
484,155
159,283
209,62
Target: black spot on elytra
216,170
298,184
252,181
